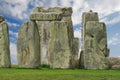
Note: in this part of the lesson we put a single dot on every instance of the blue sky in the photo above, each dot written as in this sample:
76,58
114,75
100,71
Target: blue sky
16,12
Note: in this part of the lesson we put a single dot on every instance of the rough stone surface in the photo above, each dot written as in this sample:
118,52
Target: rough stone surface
115,67
113,62
45,17
28,46
4,44
59,50
65,11
94,42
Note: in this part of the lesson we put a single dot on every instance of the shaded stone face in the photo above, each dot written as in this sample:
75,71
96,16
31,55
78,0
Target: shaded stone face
28,46
94,40
4,44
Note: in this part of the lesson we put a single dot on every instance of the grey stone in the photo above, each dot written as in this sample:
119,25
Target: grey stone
4,44
115,67
113,62
28,46
46,16
94,42
59,50
65,11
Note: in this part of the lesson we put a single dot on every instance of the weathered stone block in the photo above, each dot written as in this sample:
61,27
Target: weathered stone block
87,16
46,16
59,53
65,11
4,45
95,45
28,46
94,42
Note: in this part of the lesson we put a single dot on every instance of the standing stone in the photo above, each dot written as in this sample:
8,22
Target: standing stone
94,42
4,44
59,49
45,17
28,46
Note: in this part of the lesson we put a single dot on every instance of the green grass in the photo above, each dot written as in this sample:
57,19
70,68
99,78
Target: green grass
57,74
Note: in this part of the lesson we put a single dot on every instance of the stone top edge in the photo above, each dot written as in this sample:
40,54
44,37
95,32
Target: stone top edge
90,12
2,18
62,7
46,13
53,9
95,22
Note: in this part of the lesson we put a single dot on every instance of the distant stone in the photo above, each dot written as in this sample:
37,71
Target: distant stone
4,44
113,62
28,46
115,67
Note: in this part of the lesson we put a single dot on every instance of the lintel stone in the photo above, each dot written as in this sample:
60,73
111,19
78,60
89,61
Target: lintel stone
46,16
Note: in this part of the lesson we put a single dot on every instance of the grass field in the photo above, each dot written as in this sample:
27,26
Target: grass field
58,74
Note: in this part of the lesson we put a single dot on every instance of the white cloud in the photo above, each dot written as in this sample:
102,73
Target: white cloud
104,8
15,8
15,34
112,21
77,33
115,40
13,53
13,24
